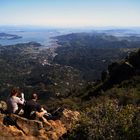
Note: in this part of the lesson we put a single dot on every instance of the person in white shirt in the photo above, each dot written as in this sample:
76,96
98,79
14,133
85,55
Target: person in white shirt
13,101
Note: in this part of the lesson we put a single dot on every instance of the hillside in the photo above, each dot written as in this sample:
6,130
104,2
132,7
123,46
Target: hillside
30,67
58,72
91,53
109,107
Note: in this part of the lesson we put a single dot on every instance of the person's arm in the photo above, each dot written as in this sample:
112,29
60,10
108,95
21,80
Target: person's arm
19,101
40,114
43,110
40,111
22,97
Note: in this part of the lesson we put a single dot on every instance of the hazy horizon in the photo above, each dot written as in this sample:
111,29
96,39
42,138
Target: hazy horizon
70,13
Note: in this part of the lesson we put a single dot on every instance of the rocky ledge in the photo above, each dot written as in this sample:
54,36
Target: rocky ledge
38,130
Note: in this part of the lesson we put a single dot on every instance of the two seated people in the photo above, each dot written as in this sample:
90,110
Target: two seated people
31,109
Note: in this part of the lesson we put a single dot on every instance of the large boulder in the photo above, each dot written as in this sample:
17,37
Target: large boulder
9,132
29,127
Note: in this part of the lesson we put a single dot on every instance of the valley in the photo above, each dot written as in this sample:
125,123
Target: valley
94,73
73,61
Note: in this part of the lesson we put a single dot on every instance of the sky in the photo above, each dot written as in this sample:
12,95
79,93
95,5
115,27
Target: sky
70,13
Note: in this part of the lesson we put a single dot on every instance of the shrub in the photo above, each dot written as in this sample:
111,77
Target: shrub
108,120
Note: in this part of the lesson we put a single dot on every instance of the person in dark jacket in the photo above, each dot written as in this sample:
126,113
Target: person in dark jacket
32,108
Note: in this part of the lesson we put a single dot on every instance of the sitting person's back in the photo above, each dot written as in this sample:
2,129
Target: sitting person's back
31,107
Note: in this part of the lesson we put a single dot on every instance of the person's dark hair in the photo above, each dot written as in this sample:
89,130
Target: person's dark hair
34,96
14,91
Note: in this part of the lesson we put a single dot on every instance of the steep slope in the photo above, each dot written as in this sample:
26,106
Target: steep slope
111,109
126,71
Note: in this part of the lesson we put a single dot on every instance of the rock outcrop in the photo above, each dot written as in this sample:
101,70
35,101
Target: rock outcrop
38,130
116,73
120,71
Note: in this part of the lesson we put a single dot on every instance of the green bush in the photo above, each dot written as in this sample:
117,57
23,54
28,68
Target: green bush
108,120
